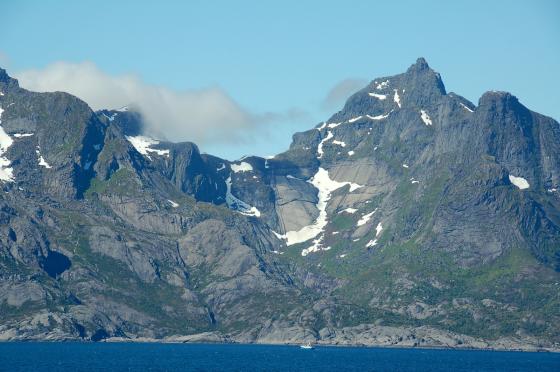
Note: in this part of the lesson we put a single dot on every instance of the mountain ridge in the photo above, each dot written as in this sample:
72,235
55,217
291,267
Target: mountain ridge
371,228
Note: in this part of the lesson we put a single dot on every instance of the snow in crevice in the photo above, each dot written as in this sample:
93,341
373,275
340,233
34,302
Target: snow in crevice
237,204
371,243
241,167
354,119
320,146
221,167
554,189
378,229
405,165
340,143
142,145
349,210
365,218
378,117
173,204
21,135
381,97
325,186
322,126
43,162
6,172
520,182
382,85
413,181
397,98
465,107
425,117
333,125
351,152
110,118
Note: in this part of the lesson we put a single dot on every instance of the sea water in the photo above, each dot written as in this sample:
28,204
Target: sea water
73,356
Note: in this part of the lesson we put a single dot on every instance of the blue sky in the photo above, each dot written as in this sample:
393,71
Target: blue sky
276,62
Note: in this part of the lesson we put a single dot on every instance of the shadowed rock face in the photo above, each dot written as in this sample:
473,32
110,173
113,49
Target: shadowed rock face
412,216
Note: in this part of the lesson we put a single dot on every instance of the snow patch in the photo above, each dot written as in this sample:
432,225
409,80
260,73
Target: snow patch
223,166
520,182
340,143
21,135
237,204
110,118
425,117
6,172
333,125
378,117
371,243
405,165
378,229
173,204
350,153
466,107
42,161
382,85
381,97
325,186
349,210
320,146
342,255
241,167
365,218
142,145
355,119
397,98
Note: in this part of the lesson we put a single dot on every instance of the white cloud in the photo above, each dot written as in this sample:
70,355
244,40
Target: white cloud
341,91
205,116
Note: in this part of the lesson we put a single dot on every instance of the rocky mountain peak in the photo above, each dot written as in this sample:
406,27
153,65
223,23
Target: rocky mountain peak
6,80
420,77
420,65
494,97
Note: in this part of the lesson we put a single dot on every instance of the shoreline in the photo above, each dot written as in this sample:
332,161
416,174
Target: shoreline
179,340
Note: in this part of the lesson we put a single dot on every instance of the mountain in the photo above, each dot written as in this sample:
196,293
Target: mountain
411,217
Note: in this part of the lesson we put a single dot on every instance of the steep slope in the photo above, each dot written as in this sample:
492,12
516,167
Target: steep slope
411,216
102,234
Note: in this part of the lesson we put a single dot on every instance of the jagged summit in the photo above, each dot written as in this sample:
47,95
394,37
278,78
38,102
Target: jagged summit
420,65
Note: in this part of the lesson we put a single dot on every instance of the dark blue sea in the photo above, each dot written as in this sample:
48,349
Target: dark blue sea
212,357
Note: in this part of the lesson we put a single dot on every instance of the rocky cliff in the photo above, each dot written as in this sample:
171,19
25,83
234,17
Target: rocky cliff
410,217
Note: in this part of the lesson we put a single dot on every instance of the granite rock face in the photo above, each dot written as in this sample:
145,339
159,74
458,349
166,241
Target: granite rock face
410,217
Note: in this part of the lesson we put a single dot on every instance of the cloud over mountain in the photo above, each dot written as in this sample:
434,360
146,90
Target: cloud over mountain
204,116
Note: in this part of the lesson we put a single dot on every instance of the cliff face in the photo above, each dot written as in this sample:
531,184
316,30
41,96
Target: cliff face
411,216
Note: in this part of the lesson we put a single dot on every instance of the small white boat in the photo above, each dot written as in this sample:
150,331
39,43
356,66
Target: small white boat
306,346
